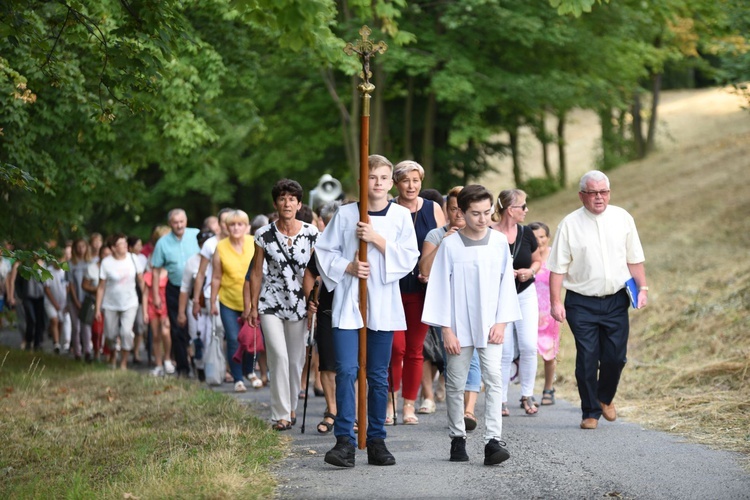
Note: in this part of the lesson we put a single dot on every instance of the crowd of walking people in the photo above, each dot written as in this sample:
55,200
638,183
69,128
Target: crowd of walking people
459,291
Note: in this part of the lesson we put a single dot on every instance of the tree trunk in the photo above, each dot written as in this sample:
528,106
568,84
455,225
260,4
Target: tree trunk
349,146
544,138
377,110
428,138
562,175
513,133
609,146
655,93
408,114
638,140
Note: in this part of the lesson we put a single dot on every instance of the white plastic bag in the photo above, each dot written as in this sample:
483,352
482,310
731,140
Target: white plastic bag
214,358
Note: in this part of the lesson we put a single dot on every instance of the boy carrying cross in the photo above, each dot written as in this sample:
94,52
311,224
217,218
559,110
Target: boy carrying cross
391,254
471,294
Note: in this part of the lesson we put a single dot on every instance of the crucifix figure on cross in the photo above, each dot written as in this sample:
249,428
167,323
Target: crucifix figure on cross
365,48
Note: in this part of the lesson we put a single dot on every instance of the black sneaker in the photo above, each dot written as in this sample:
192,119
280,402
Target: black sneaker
341,455
378,454
458,450
494,453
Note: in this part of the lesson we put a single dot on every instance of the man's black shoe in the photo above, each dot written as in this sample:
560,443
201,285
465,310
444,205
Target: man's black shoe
494,453
378,454
341,455
458,450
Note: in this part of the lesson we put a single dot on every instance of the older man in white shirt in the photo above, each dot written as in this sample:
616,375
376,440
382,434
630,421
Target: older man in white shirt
595,252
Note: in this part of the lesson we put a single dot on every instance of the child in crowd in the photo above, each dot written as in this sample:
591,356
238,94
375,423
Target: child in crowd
392,253
471,294
548,342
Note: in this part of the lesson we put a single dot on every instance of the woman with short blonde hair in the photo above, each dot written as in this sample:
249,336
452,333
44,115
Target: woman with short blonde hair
407,356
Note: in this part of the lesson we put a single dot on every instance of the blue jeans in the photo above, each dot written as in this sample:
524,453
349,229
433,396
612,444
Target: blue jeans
474,380
229,319
346,345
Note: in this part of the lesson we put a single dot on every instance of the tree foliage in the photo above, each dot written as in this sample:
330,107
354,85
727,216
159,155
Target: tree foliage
114,111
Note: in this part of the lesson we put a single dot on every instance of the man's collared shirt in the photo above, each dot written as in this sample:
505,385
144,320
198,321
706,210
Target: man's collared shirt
593,251
172,253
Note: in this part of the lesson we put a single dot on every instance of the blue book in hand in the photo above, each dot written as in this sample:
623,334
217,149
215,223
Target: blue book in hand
632,290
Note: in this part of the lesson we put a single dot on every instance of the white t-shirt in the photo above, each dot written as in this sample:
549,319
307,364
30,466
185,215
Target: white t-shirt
5,268
119,291
58,285
189,274
207,250
92,273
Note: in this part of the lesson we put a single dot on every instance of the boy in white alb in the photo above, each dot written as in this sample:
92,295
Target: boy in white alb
392,253
471,294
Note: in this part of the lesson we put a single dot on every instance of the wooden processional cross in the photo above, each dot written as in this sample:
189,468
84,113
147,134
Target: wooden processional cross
365,49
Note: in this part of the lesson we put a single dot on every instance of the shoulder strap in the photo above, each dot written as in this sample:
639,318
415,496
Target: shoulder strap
517,243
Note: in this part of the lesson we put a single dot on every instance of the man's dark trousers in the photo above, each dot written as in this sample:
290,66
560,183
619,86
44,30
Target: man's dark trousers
600,327
179,334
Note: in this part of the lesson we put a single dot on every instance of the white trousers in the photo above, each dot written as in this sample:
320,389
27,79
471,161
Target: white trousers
120,323
524,332
457,371
285,350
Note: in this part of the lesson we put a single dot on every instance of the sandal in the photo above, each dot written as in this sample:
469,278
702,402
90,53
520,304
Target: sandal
255,381
326,426
428,407
506,411
528,405
389,420
470,421
282,425
409,419
548,397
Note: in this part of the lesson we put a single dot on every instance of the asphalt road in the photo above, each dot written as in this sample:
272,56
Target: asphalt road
550,458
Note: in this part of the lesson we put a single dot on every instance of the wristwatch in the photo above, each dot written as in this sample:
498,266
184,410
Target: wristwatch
643,288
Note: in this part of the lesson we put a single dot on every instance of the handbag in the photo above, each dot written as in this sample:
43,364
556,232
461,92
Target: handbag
433,347
88,310
214,358
138,291
250,340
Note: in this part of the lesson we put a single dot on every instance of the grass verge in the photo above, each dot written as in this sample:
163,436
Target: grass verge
73,431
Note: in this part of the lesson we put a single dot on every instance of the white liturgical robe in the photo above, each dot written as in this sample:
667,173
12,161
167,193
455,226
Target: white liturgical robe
335,249
471,287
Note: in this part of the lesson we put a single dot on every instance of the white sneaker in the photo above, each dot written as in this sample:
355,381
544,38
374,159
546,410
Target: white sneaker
157,372
168,367
240,387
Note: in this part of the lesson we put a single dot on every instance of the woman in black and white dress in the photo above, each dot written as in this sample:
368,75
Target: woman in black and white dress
277,301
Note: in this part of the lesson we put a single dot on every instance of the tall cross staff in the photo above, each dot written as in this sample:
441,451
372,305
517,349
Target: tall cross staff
365,49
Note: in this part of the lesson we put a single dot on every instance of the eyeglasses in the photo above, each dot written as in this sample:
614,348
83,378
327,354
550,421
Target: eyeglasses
522,207
602,193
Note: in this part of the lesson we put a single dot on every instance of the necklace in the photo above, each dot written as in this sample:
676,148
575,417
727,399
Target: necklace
289,238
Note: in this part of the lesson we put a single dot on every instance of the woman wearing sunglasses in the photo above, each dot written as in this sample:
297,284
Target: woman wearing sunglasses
521,335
